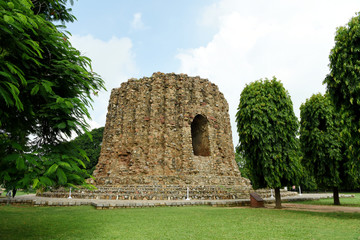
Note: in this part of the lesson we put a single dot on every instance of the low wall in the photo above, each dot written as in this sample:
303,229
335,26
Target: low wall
157,192
163,192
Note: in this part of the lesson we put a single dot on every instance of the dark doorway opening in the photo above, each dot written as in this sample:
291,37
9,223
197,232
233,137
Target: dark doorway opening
200,136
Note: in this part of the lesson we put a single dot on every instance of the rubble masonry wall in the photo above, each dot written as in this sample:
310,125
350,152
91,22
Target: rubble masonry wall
148,137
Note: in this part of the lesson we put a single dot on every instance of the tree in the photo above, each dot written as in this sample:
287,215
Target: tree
45,91
321,143
241,162
343,87
267,128
92,147
53,10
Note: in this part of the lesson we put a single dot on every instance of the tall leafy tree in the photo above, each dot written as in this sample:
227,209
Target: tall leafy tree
321,143
267,128
46,87
343,86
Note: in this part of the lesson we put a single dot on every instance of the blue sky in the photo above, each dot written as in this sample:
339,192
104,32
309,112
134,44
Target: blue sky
157,28
230,42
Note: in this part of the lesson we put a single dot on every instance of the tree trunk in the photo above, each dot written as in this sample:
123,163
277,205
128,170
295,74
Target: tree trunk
14,192
277,198
336,196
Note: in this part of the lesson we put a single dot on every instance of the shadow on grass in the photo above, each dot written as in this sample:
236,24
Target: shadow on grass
337,215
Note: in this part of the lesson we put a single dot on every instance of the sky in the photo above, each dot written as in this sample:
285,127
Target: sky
229,42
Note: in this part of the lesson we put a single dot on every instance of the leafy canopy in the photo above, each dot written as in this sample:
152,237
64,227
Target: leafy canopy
343,86
267,128
45,92
91,148
320,141
343,81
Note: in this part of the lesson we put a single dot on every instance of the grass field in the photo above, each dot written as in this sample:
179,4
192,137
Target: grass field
349,202
204,222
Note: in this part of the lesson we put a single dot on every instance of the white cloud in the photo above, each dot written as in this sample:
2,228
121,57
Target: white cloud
114,61
256,39
137,22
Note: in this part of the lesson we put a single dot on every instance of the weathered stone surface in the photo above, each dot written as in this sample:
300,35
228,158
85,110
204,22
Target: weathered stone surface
164,134
156,192
168,129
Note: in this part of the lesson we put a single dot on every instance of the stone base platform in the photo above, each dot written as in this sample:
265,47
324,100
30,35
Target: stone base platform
163,192
155,192
33,200
266,193
185,179
111,204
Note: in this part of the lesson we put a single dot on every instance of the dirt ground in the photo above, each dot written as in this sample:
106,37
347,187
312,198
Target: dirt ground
316,208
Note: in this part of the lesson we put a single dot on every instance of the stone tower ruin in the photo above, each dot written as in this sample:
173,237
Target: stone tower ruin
166,133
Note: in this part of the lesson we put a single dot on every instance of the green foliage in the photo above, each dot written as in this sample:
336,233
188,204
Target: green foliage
52,10
92,147
343,86
241,162
320,141
343,81
45,91
267,128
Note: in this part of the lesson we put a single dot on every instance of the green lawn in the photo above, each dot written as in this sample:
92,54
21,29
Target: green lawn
348,202
204,222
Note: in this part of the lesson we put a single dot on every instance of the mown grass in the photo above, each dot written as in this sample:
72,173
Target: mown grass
204,222
348,202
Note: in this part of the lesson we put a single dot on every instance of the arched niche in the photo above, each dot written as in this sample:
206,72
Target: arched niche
200,136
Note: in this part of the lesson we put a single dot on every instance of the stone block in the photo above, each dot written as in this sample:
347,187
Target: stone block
256,201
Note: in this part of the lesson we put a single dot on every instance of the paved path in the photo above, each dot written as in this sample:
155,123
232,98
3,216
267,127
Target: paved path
314,208
104,204
109,204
